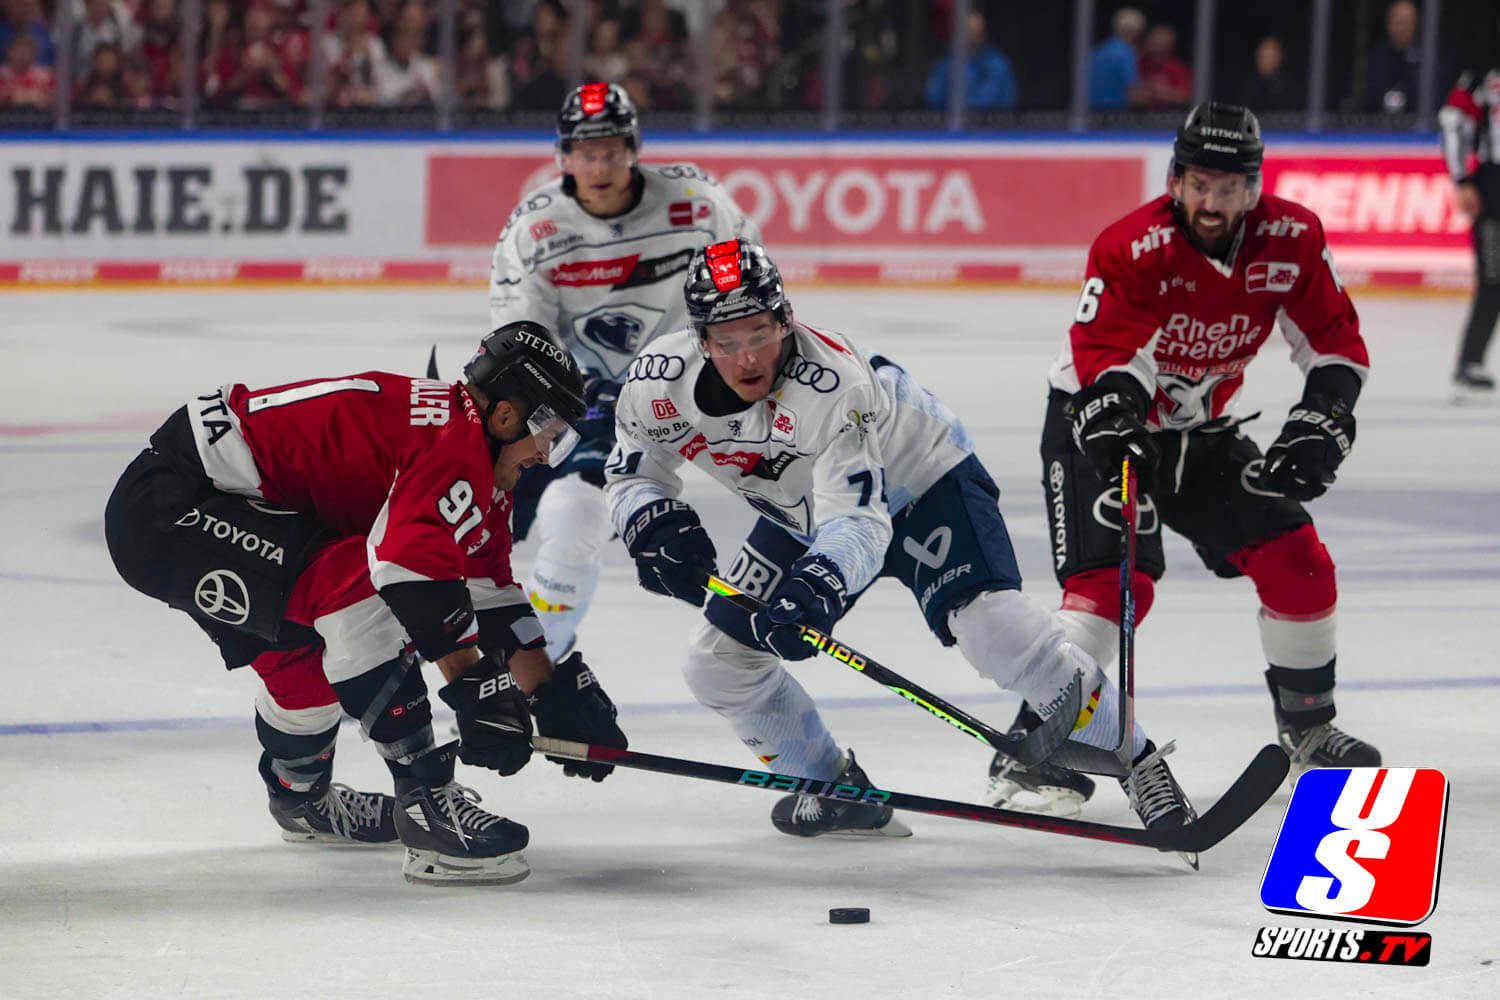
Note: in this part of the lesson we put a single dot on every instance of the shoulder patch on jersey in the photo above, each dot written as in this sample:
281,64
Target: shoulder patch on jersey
684,172
1271,276
803,371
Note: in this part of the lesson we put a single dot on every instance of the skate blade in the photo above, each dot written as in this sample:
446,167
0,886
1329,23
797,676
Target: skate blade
895,828
1191,859
1048,800
314,838
432,868
1473,397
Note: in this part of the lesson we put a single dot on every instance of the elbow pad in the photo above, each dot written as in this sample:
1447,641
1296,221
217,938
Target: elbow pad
438,615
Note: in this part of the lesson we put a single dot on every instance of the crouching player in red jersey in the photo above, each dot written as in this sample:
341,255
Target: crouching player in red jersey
1179,297
331,534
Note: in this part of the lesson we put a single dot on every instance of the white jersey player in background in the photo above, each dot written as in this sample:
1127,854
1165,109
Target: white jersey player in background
598,255
858,472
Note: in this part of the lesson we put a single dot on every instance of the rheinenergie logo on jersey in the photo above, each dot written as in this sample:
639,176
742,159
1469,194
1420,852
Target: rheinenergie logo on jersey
1362,844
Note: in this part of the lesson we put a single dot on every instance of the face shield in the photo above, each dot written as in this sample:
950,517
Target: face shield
551,434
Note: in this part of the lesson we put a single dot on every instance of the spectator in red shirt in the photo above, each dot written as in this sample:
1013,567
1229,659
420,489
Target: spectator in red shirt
24,84
264,78
159,51
220,54
1166,82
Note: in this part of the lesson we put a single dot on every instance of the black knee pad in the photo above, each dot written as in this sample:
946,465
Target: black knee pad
294,761
391,705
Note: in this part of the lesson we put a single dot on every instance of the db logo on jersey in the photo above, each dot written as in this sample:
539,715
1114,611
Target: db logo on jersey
1271,276
1362,843
663,409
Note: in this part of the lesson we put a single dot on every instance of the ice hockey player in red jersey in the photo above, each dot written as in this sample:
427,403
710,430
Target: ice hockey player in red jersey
1178,298
331,534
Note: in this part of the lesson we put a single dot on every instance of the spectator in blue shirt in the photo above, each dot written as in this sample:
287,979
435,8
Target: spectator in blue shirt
988,79
25,16
1113,69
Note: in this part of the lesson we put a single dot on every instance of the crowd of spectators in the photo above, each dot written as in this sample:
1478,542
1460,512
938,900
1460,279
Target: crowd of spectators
522,55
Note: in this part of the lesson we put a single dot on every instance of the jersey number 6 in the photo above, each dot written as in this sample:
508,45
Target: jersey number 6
1088,302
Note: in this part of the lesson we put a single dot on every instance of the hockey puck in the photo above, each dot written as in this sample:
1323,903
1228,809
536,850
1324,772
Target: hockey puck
849,915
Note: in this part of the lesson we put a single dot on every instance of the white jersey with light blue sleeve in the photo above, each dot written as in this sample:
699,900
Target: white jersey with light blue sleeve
830,455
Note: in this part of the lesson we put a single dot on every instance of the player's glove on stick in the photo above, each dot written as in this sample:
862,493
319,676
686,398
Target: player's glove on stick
673,554
572,706
814,595
494,728
1109,424
1317,436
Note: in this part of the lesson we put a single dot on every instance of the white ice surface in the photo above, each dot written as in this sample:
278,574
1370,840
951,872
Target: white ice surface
137,859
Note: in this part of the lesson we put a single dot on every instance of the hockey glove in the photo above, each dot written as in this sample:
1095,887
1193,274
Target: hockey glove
572,706
1317,436
596,431
494,727
1108,420
812,595
673,554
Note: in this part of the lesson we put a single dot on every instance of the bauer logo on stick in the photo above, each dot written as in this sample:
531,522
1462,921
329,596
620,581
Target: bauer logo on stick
1362,844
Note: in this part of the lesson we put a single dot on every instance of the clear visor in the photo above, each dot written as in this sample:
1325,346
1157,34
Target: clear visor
551,434
718,344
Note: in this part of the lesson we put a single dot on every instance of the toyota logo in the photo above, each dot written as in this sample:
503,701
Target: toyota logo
811,374
666,367
1107,511
223,596
189,519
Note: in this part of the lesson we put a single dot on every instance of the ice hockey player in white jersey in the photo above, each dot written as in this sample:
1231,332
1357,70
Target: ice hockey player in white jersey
598,255
858,472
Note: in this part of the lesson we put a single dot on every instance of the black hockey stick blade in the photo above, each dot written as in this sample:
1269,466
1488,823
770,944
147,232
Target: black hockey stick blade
432,371
1255,785
1259,781
1030,749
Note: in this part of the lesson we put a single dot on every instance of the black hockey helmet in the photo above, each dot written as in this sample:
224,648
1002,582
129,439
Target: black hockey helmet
526,360
733,279
1218,136
597,111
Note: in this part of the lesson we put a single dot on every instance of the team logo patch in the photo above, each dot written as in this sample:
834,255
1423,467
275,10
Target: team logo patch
542,230
682,213
1362,844
663,409
753,574
1271,276
221,594
783,422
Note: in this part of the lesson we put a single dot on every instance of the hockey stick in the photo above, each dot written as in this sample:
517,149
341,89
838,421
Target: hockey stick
1030,750
1129,513
1251,789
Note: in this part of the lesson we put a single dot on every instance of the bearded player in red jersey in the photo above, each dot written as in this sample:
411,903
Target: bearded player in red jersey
1179,297
330,532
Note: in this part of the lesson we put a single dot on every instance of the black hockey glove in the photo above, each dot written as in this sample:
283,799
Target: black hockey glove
1109,423
1317,436
673,554
596,431
572,706
814,595
494,727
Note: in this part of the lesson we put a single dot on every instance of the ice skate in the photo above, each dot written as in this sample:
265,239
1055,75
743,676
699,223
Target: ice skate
804,815
1042,788
449,839
1156,796
330,813
1473,384
1324,745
